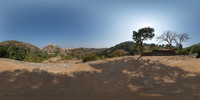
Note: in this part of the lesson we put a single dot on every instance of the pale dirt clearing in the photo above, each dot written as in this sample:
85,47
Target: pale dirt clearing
122,78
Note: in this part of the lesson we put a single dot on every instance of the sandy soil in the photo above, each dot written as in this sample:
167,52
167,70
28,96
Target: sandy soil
123,78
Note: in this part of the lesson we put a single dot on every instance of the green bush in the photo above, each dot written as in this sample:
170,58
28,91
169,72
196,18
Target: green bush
195,49
68,57
119,53
198,56
102,57
22,54
183,52
89,57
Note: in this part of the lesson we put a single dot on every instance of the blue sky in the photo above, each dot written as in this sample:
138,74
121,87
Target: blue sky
95,23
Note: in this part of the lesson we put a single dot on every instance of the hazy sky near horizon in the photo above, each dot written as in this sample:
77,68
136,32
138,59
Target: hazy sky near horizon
95,23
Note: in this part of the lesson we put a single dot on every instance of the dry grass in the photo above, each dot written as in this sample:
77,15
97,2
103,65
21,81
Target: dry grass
123,78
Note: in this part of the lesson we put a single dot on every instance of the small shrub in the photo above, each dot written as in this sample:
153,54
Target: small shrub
183,52
68,57
119,53
102,57
78,57
89,57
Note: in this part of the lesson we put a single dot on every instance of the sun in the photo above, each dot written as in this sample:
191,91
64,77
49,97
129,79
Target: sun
145,25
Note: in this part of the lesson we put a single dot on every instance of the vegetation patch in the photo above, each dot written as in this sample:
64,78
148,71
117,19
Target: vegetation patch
89,57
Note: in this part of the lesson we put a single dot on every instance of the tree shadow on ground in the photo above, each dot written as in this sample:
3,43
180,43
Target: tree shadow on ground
120,77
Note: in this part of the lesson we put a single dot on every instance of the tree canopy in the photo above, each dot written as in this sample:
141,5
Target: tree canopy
142,35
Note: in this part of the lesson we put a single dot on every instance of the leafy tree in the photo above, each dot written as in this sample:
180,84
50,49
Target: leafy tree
142,35
168,36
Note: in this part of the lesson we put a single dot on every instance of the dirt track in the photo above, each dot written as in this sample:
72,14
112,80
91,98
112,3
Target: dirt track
123,78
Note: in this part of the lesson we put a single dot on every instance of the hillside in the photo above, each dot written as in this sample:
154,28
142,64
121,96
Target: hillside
83,51
13,43
21,51
52,49
122,78
121,49
193,46
128,48
26,52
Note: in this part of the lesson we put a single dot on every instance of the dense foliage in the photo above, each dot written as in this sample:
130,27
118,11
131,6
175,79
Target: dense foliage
183,52
142,35
196,49
3,52
89,57
21,51
198,56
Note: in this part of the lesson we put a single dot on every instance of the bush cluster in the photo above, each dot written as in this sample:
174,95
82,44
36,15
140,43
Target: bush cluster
198,56
22,54
183,52
89,57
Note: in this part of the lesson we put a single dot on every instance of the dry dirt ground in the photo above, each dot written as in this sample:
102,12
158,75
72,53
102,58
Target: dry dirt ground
123,78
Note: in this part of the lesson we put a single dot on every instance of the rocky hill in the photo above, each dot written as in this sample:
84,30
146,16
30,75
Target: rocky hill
53,49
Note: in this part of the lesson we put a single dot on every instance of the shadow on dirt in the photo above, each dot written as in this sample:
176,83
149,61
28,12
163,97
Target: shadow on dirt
120,77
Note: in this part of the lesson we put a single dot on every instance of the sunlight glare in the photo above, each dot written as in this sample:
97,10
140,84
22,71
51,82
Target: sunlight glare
145,25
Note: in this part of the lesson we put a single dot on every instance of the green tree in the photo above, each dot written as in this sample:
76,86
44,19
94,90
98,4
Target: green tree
142,35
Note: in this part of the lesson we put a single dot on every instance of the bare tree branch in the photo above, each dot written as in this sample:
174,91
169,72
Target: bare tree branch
180,38
167,36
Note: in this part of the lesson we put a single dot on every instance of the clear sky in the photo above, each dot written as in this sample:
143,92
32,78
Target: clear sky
95,23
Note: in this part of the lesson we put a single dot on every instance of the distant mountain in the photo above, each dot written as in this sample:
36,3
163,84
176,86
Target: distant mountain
83,51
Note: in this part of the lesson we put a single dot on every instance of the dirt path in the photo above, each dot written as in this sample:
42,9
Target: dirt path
123,78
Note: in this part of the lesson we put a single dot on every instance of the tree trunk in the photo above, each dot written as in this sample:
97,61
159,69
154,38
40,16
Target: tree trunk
141,49
170,46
